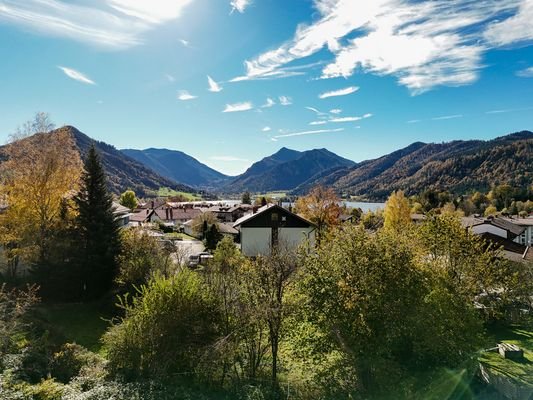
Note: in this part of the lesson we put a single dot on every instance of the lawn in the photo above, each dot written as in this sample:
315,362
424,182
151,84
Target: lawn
167,192
79,323
179,235
521,371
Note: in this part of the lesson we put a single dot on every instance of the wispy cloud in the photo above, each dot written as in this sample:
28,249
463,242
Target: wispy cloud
170,78
77,75
316,111
414,121
526,73
335,111
447,117
340,92
266,129
236,107
228,159
269,103
285,100
321,122
507,110
423,43
213,86
108,23
302,133
350,119
184,42
239,5
184,95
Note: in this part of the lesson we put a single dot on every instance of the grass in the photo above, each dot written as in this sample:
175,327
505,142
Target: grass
521,371
167,192
179,235
79,323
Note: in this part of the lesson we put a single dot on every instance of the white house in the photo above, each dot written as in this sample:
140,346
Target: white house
273,225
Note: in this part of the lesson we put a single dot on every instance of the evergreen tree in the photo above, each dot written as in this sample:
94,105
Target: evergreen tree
98,230
212,237
246,199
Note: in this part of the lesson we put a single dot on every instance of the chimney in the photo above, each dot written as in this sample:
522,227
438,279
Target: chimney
152,204
171,214
166,213
254,209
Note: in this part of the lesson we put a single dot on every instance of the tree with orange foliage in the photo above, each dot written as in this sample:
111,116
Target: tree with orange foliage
322,207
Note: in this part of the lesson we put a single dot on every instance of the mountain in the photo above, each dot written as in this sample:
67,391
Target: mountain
177,166
122,172
459,167
285,170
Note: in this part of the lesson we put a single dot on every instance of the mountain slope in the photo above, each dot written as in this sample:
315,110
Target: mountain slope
458,166
122,171
177,166
285,170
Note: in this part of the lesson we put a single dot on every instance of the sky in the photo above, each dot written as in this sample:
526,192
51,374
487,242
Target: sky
231,81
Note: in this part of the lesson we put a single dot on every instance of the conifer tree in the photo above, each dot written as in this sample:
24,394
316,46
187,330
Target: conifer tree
98,230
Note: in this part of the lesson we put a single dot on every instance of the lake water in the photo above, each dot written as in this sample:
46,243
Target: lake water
352,204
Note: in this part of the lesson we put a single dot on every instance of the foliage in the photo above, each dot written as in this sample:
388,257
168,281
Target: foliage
372,220
168,328
98,230
35,180
141,257
69,360
321,207
128,199
384,311
246,199
397,214
201,223
212,237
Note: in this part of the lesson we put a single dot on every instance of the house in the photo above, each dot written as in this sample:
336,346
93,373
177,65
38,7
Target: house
177,216
270,226
495,225
122,214
526,237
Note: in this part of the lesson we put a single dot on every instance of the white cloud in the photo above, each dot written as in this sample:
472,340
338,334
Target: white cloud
322,122
170,78
340,92
107,23
266,129
350,119
184,42
316,111
269,103
76,75
302,133
285,100
184,95
454,116
213,86
517,28
424,43
228,159
525,73
335,111
239,5
236,107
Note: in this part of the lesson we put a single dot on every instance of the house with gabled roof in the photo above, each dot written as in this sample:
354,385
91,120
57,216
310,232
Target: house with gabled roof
272,226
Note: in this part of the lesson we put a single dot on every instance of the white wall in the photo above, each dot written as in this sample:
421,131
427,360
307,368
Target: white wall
257,241
484,228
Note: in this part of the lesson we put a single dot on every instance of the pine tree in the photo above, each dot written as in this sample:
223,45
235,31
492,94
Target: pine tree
98,230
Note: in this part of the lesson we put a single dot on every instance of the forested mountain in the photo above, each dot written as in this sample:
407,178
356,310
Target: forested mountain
285,170
177,166
122,171
458,167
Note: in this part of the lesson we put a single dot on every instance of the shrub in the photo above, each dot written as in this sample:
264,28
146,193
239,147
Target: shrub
69,360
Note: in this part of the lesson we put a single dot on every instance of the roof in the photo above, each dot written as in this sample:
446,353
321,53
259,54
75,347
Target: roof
511,250
177,213
521,221
227,228
501,223
141,216
119,209
249,217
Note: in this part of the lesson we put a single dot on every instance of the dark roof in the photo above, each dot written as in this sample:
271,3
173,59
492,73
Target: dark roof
507,244
501,223
227,228
249,217
141,216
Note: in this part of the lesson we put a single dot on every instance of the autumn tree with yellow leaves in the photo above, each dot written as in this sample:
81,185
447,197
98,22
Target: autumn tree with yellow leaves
40,172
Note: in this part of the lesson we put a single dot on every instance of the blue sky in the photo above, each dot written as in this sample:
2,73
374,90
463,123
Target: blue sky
361,78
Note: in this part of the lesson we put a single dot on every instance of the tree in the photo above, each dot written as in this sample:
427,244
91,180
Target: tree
246,199
201,223
36,181
97,228
490,211
212,237
321,207
397,213
372,301
41,123
128,199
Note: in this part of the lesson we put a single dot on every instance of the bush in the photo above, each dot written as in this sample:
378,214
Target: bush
69,360
167,329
